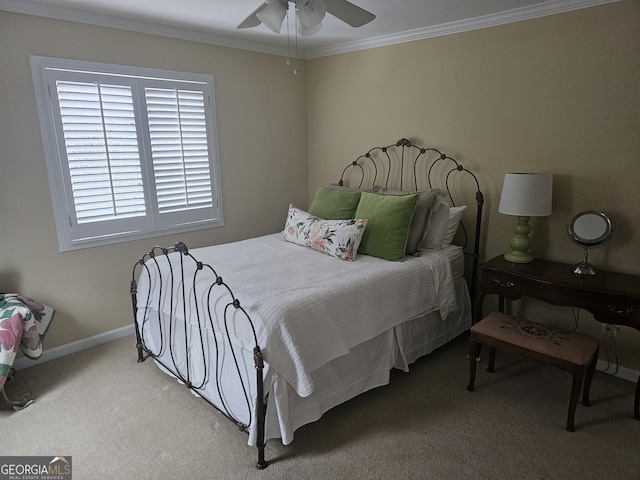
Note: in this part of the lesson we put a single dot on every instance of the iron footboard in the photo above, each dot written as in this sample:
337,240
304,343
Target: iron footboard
174,276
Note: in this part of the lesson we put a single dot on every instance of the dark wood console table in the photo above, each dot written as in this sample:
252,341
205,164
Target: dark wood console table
611,297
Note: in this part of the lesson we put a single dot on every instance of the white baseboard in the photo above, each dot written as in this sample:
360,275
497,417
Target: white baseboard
74,347
619,372
79,345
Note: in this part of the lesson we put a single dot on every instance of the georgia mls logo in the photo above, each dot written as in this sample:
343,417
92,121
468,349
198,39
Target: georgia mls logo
60,465
35,468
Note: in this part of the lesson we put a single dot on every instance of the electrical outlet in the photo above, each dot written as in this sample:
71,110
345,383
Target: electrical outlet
609,329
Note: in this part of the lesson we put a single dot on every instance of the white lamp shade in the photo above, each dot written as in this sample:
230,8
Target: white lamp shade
526,194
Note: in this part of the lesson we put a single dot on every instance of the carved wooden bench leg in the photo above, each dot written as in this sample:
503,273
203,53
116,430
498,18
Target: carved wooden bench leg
576,386
474,352
492,359
636,402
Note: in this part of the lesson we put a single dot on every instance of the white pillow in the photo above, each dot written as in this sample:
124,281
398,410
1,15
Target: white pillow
437,226
455,214
338,238
420,221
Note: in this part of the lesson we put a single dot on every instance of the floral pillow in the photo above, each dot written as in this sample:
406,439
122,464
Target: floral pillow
338,238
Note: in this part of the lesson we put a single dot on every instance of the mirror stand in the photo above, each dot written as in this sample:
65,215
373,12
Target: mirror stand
585,268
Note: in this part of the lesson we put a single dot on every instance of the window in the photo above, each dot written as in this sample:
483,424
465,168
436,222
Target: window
131,152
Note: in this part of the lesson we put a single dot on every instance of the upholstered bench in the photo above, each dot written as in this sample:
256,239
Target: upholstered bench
570,351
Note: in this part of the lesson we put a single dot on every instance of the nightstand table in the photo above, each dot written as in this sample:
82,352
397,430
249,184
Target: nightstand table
611,297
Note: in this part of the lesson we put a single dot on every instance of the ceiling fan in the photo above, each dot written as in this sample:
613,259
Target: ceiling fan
310,14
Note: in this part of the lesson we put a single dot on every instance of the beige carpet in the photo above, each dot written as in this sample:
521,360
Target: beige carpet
119,419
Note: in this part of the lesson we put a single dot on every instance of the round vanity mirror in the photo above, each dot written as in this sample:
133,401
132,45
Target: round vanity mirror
589,229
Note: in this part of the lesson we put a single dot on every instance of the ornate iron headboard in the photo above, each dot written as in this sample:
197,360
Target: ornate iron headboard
403,163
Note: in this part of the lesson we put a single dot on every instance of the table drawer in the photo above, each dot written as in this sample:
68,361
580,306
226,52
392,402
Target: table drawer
617,309
502,284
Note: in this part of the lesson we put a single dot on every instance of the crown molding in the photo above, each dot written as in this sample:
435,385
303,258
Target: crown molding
551,7
485,21
111,21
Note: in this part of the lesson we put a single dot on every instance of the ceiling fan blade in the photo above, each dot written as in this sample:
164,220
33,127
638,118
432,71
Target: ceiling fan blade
349,13
252,20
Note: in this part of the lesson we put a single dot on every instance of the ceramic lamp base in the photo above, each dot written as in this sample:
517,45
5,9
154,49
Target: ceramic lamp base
518,257
520,243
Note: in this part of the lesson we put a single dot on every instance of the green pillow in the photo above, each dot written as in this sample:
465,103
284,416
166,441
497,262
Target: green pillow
389,219
335,204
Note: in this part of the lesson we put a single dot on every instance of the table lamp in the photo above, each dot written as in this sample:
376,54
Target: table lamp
525,195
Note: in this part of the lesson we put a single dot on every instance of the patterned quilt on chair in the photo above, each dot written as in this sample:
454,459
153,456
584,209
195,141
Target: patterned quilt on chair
23,323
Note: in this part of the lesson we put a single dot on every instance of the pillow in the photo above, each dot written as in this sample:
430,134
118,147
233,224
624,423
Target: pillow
421,218
338,238
437,225
388,228
455,214
335,204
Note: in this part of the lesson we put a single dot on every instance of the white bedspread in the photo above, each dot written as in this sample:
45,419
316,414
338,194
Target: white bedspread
309,308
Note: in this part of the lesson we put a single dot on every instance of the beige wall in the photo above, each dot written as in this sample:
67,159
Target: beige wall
557,94
261,117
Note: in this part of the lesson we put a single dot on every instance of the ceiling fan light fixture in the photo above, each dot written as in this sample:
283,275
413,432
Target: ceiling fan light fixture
311,12
305,31
272,15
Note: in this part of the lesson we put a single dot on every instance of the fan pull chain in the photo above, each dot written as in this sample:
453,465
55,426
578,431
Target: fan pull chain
296,71
288,39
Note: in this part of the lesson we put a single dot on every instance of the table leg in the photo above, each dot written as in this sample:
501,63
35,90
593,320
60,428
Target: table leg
591,368
636,402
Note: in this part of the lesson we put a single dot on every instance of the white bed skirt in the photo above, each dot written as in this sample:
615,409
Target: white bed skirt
366,366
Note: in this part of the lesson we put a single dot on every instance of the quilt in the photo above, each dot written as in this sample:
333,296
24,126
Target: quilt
23,324
303,302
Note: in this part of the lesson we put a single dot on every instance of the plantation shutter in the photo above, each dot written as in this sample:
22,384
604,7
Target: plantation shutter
178,136
102,150
131,152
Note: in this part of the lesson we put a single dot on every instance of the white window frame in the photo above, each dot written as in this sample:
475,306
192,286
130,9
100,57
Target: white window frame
73,235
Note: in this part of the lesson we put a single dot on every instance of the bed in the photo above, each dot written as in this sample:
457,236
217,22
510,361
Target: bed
276,330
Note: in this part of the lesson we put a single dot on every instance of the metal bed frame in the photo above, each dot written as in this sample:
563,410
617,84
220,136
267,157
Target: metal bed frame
377,167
